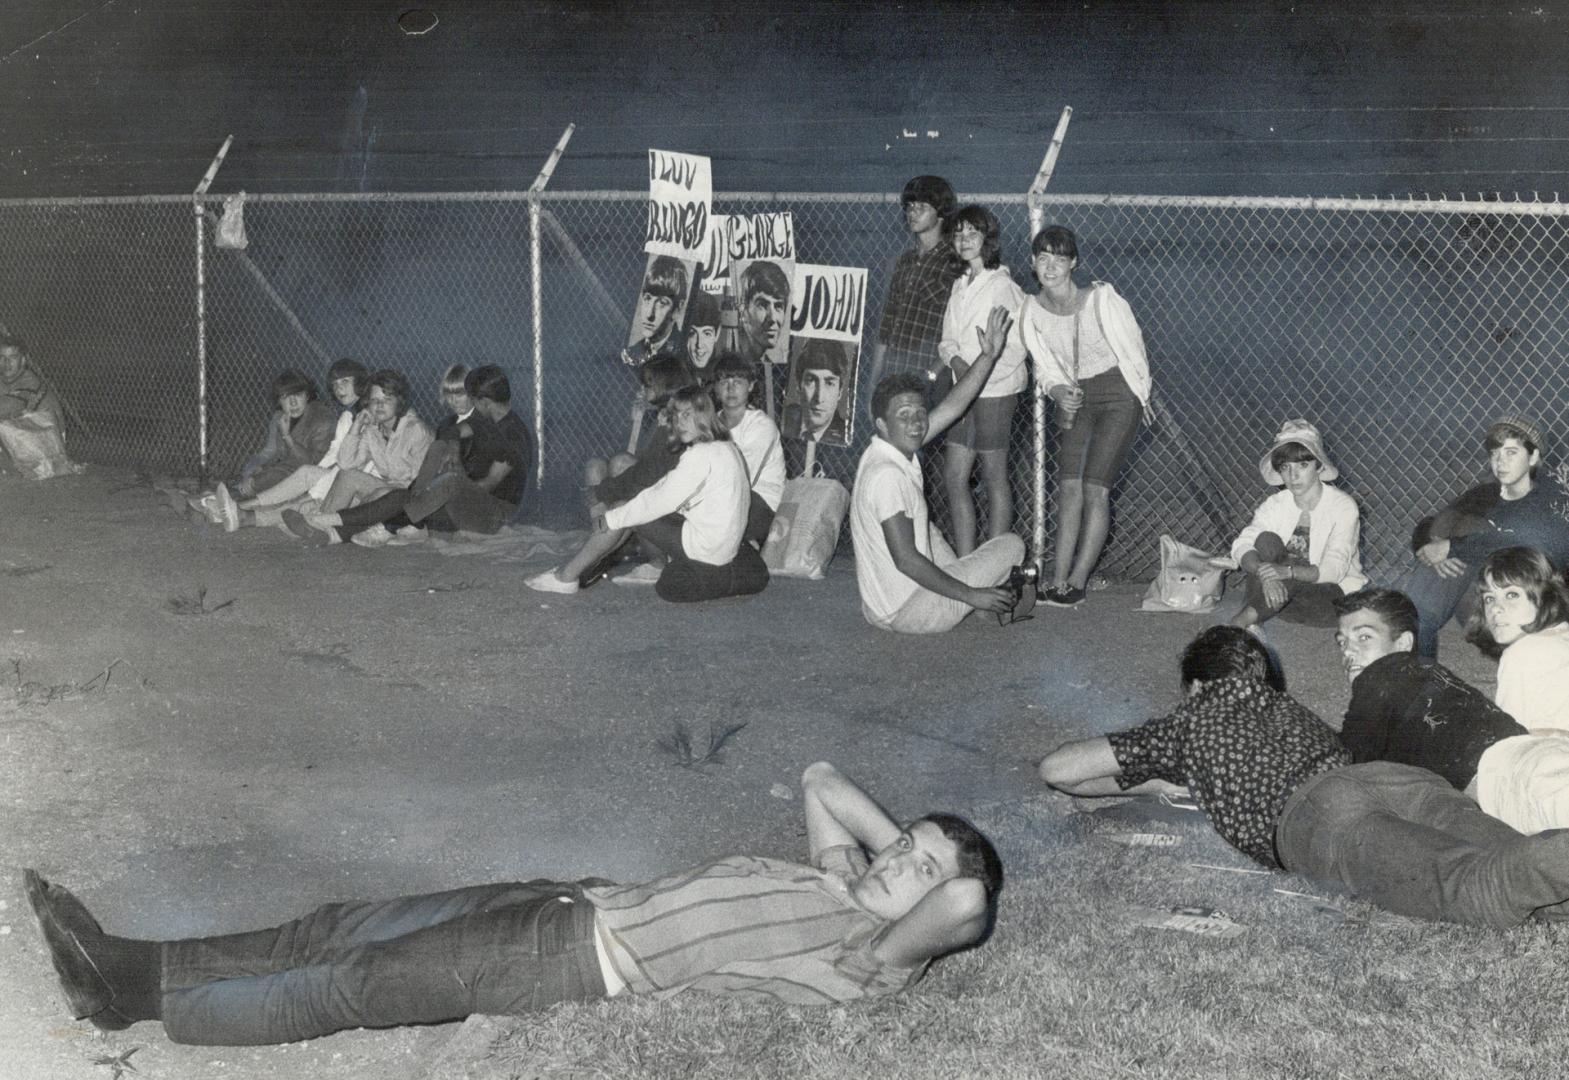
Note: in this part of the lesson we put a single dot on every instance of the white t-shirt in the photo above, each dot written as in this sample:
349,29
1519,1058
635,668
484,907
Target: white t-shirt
710,489
886,483
758,438
1533,680
969,306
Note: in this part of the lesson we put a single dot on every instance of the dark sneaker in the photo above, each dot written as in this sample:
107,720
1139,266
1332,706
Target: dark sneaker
1064,596
296,523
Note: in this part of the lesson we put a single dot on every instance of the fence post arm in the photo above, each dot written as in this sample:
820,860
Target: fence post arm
535,264
201,306
1037,400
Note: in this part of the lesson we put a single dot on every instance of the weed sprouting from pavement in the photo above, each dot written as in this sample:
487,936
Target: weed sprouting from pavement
686,750
32,692
117,1064
195,603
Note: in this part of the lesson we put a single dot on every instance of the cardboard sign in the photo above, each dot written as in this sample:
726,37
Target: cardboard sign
827,310
680,203
659,318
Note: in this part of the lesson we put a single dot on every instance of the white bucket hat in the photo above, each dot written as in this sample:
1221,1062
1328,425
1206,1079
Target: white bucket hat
1304,434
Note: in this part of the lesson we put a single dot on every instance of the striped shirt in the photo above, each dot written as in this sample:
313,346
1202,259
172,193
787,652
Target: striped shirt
750,927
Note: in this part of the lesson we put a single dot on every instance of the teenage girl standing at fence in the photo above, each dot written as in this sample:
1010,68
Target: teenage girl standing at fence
1089,358
984,430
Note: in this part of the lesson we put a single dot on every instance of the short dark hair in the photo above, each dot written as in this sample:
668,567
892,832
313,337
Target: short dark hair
1528,569
985,222
394,384
666,277
12,341
823,354
347,368
1225,651
767,278
934,191
664,375
1391,605
1288,453
290,381
891,386
978,859
731,362
702,309
1056,240
489,383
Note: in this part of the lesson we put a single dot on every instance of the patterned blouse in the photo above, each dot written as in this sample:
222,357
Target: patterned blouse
1242,749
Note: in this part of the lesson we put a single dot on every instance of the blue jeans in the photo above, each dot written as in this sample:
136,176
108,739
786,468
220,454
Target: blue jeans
498,949
1437,600
1404,839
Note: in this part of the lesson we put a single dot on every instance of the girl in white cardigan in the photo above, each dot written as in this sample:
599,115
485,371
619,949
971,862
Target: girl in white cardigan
1301,550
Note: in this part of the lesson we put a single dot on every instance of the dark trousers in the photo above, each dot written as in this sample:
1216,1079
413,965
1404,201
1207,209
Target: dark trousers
1406,840
1437,600
686,581
500,949
1308,603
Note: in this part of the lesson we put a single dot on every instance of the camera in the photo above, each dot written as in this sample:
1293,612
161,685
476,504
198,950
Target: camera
1020,578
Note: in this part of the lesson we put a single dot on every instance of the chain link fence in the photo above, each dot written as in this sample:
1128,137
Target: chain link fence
1400,328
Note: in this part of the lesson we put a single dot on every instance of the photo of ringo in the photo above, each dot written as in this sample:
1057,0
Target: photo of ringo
661,307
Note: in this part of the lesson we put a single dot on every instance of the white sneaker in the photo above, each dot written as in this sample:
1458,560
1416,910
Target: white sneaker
207,506
374,537
409,534
549,582
227,508
647,574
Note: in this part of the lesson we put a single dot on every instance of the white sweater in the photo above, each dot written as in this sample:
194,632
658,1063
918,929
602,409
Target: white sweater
758,439
710,489
969,306
1335,534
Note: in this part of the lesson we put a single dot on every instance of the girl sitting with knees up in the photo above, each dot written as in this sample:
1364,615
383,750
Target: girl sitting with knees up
384,447
696,514
1524,622
1301,550
348,380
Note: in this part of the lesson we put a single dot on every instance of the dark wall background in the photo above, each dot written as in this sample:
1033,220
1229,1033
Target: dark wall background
134,96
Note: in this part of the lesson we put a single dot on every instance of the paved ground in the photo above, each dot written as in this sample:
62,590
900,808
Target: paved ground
340,729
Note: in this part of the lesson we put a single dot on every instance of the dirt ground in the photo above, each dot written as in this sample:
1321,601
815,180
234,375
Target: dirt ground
345,723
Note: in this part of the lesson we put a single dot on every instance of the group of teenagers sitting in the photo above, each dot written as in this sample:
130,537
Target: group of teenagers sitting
371,471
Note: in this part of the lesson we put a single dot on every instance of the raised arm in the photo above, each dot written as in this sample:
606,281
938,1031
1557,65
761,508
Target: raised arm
993,339
949,917
839,812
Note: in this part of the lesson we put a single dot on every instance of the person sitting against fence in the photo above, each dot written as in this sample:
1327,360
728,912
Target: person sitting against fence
702,334
1302,550
348,380
385,445
1402,709
472,479
298,433
1277,785
735,380
32,427
909,579
1089,359
986,428
1518,507
1524,623
763,317
612,481
876,902
695,514
453,390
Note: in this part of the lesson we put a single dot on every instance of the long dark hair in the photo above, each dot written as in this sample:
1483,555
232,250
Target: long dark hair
1528,569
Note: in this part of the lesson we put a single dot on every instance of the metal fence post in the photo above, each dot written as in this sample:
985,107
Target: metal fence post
534,266
1037,216
201,307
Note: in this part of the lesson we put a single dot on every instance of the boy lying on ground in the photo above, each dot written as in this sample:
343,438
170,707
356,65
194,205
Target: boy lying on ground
842,928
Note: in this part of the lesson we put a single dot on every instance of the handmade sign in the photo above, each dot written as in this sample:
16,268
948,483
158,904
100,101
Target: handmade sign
827,306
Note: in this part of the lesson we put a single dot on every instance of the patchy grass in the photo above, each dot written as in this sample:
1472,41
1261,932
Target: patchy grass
1317,986
691,751
195,603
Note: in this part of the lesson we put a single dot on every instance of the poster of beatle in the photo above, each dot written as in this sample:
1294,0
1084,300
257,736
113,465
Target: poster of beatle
680,205
826,308
761,252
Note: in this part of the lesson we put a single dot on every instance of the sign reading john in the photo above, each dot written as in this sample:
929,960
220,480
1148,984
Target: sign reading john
827,305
